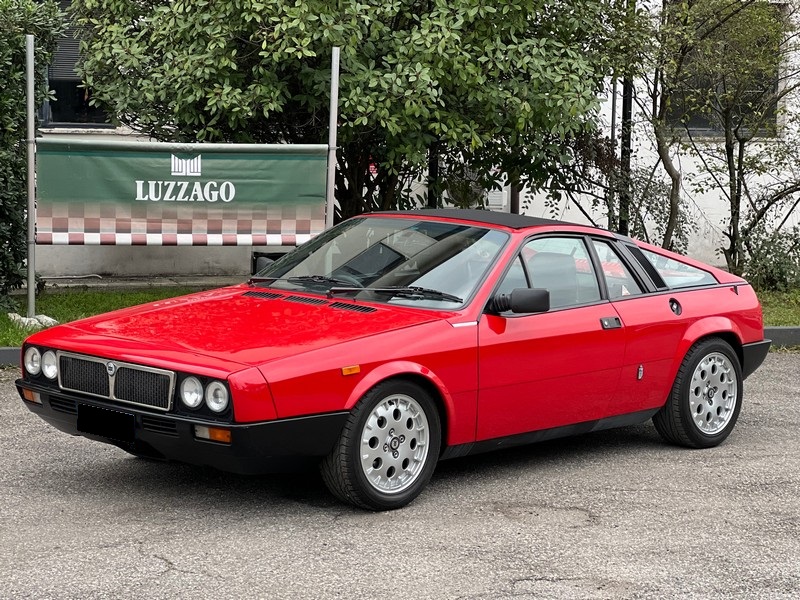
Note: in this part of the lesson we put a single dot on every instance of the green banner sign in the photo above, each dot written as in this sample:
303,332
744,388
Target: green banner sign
103,192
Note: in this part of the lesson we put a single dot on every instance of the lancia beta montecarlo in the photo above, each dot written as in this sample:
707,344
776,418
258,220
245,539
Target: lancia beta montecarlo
395,340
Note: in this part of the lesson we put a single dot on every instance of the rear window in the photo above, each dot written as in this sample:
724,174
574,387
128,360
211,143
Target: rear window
675,273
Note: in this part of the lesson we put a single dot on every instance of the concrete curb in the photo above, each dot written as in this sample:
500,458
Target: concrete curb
9,356
783,336
780,336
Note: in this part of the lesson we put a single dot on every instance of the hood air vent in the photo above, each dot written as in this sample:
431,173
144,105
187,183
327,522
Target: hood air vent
354,307
305,300
263,295
359,308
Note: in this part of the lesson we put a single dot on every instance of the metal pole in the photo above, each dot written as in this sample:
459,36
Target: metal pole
433,175
332,127
31,178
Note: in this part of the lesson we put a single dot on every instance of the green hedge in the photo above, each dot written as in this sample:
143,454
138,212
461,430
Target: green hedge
45,22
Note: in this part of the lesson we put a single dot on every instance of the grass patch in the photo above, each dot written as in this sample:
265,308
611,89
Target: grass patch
71,304
781,308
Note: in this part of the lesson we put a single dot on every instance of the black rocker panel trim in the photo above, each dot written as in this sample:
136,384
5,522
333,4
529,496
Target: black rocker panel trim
541,435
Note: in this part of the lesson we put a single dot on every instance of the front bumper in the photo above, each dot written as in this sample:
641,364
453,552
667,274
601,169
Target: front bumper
265,447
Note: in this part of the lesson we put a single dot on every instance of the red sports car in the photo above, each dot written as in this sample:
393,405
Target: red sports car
395,340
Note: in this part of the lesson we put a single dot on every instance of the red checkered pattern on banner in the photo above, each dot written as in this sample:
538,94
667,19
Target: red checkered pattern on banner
155,225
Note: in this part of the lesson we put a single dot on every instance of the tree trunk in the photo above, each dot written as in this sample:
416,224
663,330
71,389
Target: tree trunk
675,185
514,198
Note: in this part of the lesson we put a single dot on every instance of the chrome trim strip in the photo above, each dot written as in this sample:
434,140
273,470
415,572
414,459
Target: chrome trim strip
467,324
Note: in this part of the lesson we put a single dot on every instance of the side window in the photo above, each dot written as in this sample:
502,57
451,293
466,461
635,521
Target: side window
515,278
677,274
619,280
562,266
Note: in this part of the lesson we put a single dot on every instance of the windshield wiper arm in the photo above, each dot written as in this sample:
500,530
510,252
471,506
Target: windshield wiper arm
317,279
321,279
408,292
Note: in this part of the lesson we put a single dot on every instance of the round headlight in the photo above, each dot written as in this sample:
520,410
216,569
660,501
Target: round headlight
217,396
192,392
33,361
50,364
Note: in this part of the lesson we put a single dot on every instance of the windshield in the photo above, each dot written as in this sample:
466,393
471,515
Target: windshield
411,262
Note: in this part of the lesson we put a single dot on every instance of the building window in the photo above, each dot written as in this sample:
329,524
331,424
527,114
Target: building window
730,79
702,106
71,106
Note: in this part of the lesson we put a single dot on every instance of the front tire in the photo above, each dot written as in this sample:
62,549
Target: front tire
706,397
388,448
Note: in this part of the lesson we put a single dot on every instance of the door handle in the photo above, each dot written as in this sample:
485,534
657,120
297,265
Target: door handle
610,323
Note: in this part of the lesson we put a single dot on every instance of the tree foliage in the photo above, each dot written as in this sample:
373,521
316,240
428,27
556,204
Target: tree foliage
732,64
18,18
503,87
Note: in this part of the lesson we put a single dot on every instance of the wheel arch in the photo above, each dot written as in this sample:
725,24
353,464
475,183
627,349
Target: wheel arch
733,341
414,373
676,420
716,327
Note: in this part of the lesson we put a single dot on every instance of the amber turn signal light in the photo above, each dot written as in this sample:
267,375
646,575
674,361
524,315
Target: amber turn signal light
215,434
32,396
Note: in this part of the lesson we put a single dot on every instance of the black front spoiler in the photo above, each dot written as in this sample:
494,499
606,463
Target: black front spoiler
255,448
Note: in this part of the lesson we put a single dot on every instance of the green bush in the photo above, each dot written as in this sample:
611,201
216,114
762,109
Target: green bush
45,22
774,260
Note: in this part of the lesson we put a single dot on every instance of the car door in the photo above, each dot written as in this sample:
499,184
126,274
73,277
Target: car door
656,325
546,370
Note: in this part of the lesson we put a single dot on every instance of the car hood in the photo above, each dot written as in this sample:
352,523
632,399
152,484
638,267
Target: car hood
237,325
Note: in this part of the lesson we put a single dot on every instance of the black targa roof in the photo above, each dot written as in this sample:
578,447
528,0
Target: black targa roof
488,217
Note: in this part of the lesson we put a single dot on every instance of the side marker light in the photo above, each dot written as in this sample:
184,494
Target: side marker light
351,370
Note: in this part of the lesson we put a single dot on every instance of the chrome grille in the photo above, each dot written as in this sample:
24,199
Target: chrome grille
80,375
115,380
142,387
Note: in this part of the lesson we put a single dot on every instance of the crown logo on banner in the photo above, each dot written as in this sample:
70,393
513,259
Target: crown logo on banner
187,167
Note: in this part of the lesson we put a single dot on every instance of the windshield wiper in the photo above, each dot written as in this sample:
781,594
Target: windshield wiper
407,292
321,279
317,279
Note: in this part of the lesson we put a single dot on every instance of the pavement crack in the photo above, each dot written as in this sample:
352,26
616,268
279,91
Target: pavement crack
171,567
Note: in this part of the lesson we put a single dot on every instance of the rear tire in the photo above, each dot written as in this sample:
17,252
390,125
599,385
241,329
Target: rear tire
706,397
388,448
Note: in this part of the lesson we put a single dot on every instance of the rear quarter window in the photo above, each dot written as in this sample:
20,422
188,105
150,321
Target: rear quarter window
675,274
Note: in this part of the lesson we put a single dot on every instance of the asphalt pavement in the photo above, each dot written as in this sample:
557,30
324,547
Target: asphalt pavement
610,515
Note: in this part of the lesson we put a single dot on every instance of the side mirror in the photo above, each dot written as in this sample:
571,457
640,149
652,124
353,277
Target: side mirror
521,300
